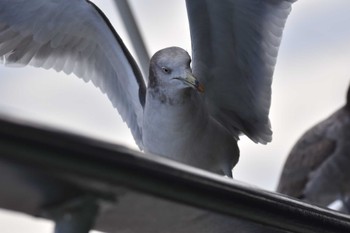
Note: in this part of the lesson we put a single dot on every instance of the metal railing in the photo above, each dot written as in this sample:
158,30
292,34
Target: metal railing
61,174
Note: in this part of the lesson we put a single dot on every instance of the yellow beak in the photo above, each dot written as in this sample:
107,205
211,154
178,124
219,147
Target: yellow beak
190,79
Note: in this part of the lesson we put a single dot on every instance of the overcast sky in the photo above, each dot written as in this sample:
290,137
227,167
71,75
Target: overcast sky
311,78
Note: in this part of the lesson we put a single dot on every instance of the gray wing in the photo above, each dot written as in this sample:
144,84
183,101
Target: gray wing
234,49
306,157
74,36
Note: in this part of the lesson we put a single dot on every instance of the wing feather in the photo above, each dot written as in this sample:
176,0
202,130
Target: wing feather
234,48
74,36
310,152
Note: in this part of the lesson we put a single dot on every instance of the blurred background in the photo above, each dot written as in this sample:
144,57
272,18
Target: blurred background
310,82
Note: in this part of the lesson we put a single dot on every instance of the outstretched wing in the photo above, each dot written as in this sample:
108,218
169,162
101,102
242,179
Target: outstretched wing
234,49
74,36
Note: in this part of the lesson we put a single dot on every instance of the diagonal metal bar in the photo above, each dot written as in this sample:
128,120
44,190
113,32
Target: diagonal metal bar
135,36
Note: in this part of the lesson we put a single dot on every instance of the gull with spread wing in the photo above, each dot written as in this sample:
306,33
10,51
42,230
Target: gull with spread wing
193,115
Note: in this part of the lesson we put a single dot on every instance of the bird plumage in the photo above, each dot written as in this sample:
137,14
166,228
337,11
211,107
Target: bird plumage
234,48
316,169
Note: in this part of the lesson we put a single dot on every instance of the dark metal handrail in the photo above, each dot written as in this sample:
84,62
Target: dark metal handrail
97,167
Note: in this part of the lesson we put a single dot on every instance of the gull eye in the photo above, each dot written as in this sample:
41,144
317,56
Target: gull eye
166,70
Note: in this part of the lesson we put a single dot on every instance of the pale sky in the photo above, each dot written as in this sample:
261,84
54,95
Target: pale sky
310,82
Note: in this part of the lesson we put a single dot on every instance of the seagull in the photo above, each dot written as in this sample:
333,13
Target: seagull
191,110
316,168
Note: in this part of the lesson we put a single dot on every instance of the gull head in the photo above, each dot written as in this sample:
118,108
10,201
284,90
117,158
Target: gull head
170,69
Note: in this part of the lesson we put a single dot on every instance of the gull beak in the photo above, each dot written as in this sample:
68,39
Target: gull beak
192,81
